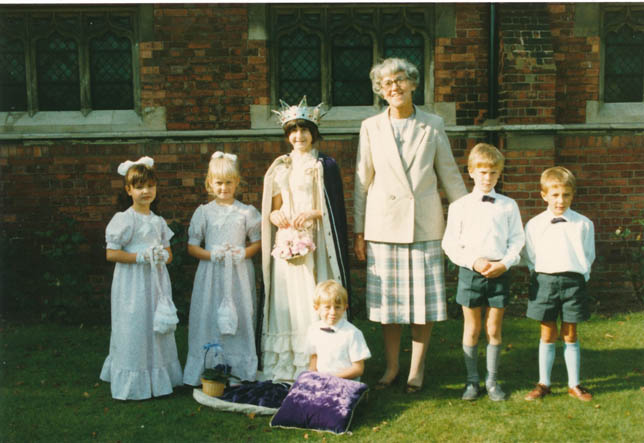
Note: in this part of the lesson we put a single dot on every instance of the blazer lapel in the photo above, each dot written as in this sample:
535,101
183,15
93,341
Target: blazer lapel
389,147
419,132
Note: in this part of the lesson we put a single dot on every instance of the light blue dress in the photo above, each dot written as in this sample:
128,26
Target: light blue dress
141,363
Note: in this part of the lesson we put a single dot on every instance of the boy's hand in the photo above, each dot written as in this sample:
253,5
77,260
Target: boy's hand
481,265
494,270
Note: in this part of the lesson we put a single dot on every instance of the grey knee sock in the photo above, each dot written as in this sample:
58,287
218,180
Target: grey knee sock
493,354
471,364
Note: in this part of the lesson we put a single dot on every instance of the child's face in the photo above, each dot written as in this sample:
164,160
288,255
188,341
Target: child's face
224,189
485,177
558,197
301,139
330,312
143,194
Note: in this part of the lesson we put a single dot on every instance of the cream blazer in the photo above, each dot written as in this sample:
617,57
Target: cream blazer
396,198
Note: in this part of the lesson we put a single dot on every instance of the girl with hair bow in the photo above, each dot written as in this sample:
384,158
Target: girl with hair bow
142,360
224,235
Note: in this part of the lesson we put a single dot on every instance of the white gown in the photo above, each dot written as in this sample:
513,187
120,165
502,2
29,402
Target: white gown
141,363
289,293
214,224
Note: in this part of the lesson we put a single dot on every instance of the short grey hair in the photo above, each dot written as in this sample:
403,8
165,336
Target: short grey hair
390,66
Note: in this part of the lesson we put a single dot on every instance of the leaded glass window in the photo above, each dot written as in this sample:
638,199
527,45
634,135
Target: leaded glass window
299,67
624,55
327,51
13,75
111,72
67,59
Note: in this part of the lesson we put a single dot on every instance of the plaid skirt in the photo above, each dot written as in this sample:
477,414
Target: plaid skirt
405,282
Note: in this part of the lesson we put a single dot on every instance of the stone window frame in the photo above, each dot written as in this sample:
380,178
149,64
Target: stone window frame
442,24
33,121
589,20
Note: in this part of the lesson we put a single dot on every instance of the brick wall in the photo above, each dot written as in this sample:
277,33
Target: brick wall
44,182
577,60
461,65
202,67
527,74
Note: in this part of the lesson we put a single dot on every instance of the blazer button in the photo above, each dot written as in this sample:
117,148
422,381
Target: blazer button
392,197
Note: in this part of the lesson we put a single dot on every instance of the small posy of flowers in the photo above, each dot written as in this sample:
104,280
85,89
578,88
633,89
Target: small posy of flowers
292,243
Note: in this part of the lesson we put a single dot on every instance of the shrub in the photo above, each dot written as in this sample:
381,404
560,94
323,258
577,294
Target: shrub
632,251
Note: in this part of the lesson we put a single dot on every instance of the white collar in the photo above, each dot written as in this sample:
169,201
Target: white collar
567,213
336,327
478,194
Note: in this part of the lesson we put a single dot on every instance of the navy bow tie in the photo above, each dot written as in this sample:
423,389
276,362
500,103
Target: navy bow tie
558,220
487,198
327,329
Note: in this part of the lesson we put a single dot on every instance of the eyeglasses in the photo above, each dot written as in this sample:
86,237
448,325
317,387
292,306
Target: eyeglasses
388,84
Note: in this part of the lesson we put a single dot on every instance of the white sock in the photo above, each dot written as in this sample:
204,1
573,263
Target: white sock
492,353
546,360
572,355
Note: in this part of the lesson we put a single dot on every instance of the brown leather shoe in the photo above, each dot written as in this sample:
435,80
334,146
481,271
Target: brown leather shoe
580,393
539,391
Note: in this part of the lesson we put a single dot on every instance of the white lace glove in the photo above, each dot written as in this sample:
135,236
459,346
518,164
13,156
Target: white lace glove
160,255
144,256
217,253
238,254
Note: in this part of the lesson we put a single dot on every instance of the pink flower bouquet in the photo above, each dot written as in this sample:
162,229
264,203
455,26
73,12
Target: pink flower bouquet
292,244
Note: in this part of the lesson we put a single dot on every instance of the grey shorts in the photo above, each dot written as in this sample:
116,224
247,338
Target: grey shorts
475,291
558,295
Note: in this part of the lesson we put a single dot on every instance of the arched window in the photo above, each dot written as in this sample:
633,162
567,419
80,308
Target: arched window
326,52
67,59
623,32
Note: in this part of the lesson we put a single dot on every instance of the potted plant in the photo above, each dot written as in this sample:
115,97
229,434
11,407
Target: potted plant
214,380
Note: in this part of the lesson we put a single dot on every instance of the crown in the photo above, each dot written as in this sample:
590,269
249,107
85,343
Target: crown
301,111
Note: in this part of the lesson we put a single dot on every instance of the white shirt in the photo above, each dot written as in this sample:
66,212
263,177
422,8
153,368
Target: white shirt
560,247
478,229
336,350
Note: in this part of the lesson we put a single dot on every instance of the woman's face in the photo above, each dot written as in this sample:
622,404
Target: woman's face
397,89
301,139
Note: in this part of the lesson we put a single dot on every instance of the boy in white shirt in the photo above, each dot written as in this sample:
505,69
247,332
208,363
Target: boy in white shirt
559,250
484,237
336,346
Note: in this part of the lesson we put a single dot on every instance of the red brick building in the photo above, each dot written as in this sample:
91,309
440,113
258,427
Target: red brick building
83,88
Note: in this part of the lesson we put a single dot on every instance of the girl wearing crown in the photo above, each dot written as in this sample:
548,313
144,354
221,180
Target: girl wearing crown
304,240
142,360
224,235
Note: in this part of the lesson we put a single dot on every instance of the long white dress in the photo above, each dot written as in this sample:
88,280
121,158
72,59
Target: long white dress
141,363
288,311
216,225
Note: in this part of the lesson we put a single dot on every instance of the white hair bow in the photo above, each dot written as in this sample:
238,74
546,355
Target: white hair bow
231,157
126,165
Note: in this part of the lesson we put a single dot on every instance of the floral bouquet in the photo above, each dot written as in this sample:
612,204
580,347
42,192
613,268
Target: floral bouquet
292,244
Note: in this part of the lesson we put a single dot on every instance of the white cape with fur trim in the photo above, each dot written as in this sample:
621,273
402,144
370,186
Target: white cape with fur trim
284,349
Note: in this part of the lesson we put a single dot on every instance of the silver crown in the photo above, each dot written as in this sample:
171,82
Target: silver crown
301,111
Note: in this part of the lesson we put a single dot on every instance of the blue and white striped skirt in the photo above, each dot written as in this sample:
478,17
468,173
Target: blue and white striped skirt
405,282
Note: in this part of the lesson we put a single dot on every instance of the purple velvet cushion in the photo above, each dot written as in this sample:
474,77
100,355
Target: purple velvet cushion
320,401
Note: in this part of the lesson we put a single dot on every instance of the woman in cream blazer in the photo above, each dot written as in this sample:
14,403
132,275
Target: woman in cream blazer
398,215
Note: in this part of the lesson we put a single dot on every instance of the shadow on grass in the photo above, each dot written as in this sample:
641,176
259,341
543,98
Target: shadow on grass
604,368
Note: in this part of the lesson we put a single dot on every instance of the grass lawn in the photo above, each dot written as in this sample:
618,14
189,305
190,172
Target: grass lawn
50,391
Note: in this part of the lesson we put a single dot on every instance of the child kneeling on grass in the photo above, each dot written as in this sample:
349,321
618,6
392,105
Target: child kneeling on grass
336,346
559,250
